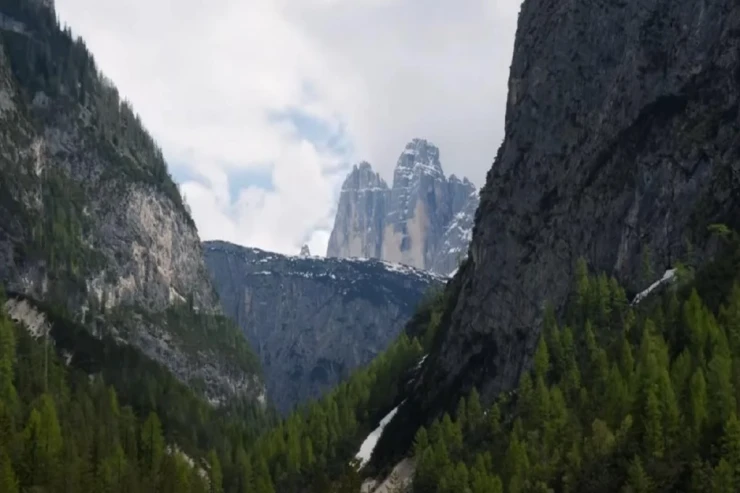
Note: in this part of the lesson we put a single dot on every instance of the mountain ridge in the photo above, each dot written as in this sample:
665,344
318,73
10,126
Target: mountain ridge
313,320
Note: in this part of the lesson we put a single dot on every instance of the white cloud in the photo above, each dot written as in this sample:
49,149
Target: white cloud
208,79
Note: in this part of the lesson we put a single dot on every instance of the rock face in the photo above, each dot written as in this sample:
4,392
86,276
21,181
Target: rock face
312,320
89,216
421,221
621,135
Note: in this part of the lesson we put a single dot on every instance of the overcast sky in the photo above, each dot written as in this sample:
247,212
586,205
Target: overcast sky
261,106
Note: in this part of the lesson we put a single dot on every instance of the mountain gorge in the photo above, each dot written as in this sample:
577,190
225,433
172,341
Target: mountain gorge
588,341
424,220
313,320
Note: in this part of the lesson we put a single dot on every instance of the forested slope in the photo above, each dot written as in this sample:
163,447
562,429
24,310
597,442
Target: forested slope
620,398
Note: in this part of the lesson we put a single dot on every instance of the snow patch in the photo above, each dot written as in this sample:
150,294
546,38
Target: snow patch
667,277
367,447
67,356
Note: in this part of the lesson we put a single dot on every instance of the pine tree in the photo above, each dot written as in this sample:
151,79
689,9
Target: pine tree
698,405
494,421
720,391
308,459
731,447
638,481
215,476
669,410
421,442
8,481
541,359
8,394
474,411
653,416
152,446
724,478
516,464
244,481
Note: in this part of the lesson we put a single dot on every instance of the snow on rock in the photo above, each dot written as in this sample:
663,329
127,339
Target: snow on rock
367,447
667,277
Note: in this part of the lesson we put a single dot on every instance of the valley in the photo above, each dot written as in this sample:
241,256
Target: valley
574,325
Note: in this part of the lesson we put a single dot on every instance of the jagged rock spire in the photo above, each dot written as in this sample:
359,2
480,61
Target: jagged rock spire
410,223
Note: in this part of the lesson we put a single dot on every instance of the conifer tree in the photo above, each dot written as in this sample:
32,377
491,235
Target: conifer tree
8,480
215,477
474,411
638,481
698,402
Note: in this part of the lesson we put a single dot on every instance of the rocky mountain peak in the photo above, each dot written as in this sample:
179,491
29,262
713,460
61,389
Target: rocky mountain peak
363,178
422,221
419,158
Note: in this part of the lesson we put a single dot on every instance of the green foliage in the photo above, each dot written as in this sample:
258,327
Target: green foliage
622,400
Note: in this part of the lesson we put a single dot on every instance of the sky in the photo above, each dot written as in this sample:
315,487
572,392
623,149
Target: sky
262,106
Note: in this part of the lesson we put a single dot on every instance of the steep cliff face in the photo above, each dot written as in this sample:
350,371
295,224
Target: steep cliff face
621,136
417,222
313,320
89,217
363,205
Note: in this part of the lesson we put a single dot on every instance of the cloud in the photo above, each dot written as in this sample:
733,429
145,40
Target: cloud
261,106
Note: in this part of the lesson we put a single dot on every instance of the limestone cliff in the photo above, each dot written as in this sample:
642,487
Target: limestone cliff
312,320
90,218
621,136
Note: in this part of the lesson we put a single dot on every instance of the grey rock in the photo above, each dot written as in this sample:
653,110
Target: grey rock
360,220
313,320
418,222
621,135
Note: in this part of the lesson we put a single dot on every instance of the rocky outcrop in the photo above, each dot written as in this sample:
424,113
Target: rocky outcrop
621,135
312,320
418,222
89,217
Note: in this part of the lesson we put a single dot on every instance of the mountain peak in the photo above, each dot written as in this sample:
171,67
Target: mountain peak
420,157
363,178
424,220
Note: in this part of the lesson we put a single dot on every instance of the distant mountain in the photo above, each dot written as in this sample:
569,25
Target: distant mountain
425,220
312,320
91,221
